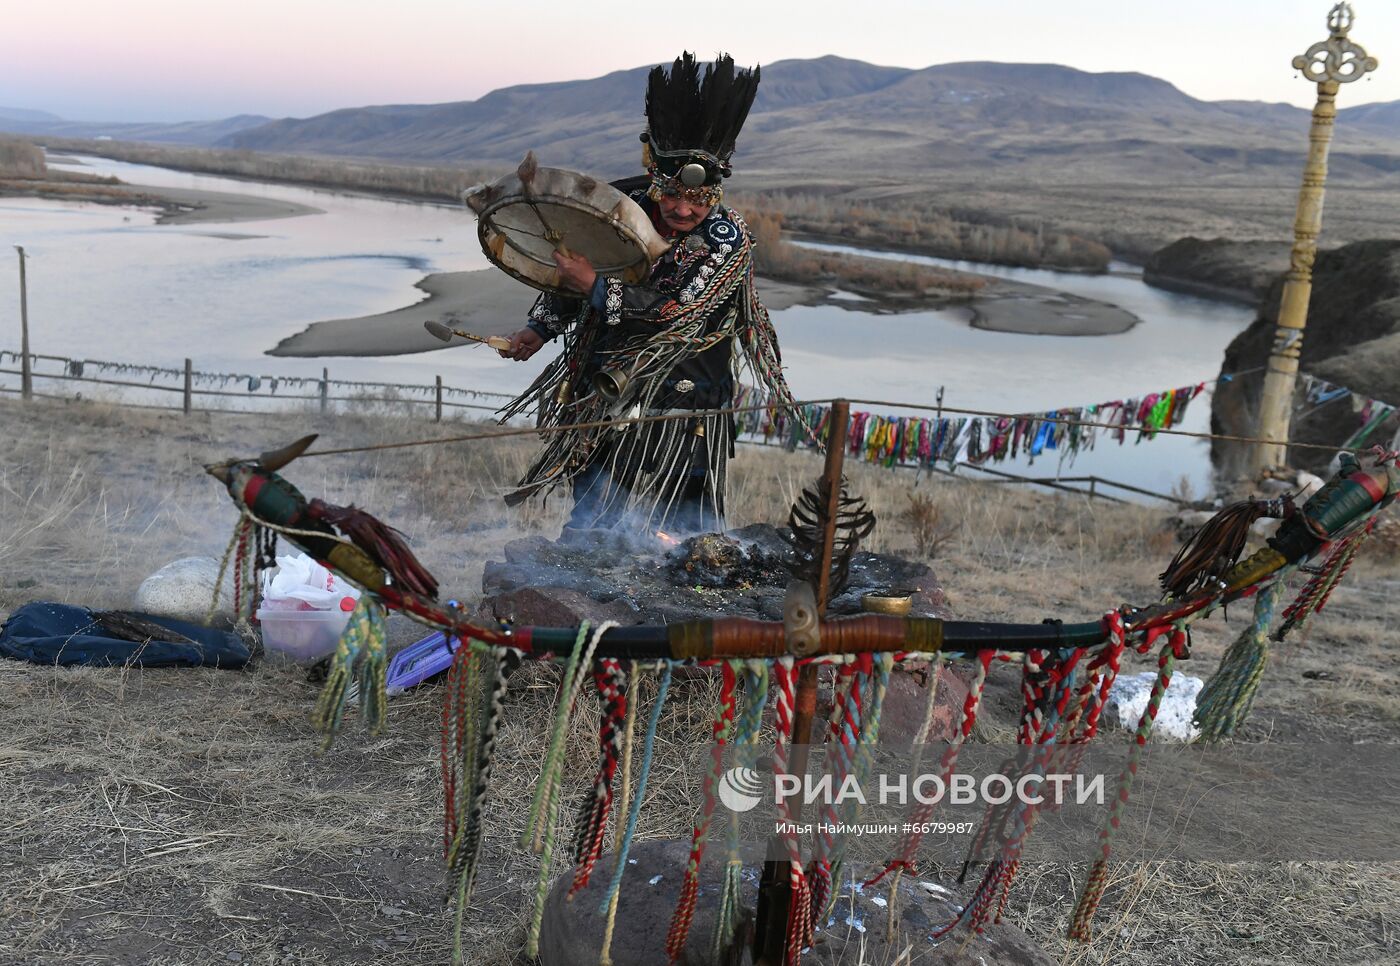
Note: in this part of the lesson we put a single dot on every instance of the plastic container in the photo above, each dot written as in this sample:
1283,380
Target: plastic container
303,636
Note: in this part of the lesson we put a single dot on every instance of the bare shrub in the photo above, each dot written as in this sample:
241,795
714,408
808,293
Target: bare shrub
924,518
20,159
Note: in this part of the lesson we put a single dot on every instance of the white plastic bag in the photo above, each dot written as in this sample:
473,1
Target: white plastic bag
300,583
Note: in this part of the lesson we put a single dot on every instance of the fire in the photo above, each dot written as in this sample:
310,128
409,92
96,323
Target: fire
666,538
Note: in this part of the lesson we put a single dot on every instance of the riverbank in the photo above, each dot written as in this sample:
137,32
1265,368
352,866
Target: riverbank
174,206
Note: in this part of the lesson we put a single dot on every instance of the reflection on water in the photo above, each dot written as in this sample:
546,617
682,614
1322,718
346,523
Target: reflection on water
107,283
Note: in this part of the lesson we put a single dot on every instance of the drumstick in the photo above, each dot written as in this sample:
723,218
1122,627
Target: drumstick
445,332
529,165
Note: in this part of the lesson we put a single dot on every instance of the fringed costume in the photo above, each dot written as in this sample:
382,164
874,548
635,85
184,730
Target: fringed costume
674,343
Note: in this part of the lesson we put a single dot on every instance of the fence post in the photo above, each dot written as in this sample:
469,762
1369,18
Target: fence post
325,387
438,417
189,386
26,378
1093,482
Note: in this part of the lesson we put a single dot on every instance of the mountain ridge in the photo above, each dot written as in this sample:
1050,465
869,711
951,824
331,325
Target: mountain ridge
836,119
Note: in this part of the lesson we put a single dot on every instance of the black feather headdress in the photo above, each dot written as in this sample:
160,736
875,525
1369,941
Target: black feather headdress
695,117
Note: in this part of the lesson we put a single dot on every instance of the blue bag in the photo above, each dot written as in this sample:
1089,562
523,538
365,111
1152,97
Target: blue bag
43,632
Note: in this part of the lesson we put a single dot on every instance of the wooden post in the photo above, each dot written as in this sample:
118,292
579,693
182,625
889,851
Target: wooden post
1093,482
437,415
26,378
774,897
1329,63
325,388
189,386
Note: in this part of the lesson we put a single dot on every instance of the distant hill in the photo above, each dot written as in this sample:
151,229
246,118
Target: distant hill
194,133
24,114
839,120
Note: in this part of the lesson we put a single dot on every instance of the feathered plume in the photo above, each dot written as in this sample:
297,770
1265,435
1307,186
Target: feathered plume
385,545
854,522
1217,545
686,110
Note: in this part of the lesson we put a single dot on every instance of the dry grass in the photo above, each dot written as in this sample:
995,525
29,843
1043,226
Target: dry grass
170,817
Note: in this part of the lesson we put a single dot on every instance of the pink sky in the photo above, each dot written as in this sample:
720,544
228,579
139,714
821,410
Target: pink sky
168,60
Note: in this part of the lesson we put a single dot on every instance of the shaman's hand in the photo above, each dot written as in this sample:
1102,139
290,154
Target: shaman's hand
523,345
575,272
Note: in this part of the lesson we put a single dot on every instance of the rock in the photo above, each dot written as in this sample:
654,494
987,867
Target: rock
552,607
907,699
856,932
1218,268
1352,340
1128,700
1308,484
184,589
1265,527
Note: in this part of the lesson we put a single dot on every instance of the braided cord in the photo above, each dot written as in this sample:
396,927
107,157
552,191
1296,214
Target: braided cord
648,750
1082,918
465,857
588,845
623,802
685,905
1225,700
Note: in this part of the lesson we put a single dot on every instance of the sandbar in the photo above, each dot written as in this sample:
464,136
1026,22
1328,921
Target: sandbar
177,206
1025,309
490,302
483,302
192,206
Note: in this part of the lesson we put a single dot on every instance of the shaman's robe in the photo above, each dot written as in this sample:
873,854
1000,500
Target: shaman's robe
675,344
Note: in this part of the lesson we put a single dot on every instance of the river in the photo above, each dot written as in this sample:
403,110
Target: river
108,283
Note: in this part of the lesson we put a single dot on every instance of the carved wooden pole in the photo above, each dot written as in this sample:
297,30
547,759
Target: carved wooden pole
1330,63
775,909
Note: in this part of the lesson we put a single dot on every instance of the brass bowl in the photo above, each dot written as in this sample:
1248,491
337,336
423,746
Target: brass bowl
893,602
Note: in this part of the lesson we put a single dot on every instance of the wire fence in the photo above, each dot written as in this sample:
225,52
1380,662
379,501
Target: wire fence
186,389
189,390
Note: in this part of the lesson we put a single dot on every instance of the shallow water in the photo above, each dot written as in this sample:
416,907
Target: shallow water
907,357
107,283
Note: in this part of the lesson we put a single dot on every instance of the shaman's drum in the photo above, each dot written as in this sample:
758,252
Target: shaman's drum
526,216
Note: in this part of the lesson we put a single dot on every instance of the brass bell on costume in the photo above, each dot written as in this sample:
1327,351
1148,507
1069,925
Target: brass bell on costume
612,383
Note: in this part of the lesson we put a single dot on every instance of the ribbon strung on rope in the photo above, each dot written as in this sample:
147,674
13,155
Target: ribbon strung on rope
1371,413
926,441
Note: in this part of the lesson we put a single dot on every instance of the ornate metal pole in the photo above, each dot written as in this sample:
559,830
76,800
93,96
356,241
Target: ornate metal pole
1330,63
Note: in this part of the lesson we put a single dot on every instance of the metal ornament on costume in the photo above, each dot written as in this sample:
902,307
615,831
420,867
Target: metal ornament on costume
525,217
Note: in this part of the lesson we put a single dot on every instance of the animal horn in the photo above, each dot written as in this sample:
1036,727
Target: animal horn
274,460
529,165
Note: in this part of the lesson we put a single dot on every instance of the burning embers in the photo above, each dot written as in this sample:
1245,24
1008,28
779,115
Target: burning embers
644,579
719,561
